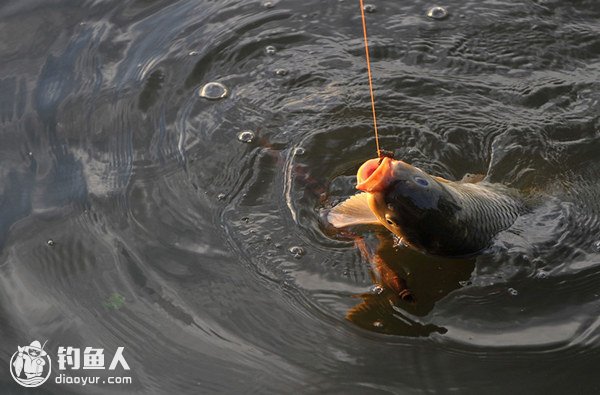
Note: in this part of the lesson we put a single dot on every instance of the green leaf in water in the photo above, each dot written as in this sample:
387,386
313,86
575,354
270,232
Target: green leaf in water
115,301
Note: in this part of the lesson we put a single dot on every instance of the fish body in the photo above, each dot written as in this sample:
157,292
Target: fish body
428,213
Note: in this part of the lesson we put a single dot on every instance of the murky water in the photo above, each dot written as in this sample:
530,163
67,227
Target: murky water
141,208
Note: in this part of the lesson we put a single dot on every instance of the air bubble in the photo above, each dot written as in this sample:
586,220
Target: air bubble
297,252
597,246
541,275
376,289
246,136
370,8
299,151
513,292
194,53
437,12
281,72
51,243
268,4
213,91
221,196
270,50
378,324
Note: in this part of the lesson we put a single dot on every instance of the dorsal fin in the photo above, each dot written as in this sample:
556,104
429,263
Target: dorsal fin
352,211
472,178
441,179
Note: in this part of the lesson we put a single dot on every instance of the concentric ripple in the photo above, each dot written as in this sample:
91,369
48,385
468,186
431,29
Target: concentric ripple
135,212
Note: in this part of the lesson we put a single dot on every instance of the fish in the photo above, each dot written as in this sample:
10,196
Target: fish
427,213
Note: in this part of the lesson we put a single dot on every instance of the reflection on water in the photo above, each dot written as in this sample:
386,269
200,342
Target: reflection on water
200,218
408,285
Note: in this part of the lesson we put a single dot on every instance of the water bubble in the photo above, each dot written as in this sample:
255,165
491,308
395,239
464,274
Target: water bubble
376,289
278,245
213,91
513,292
597,246
299,151
194,53
270,50
281,72
268,238
30,154
268,4
541,275
370,8
464,283
246,136
221,196
246,219
437,12
378,324
51,243
297,252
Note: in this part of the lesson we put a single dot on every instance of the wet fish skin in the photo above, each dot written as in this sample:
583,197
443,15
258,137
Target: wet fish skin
461,219
434,215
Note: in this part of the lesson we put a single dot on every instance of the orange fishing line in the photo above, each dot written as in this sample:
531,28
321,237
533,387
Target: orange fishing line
364,24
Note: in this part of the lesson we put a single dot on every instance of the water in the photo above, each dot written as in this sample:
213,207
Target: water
172,238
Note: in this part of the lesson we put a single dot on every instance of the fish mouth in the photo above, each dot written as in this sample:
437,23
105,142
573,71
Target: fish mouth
374,175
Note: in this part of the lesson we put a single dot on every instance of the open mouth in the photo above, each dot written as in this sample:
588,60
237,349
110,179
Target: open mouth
373,175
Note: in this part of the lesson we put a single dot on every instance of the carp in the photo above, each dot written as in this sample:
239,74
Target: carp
428,213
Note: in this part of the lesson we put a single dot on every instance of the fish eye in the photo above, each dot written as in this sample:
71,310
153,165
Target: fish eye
389,219
421,181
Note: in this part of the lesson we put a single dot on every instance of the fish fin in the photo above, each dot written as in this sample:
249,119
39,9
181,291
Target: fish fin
441,179
18,365
352,211
361,310
472,178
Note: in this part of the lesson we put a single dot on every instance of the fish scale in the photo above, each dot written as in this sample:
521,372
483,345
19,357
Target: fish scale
429,214
485,212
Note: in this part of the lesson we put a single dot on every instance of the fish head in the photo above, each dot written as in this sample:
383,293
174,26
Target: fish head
412,204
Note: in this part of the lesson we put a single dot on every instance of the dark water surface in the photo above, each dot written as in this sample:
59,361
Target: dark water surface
172,237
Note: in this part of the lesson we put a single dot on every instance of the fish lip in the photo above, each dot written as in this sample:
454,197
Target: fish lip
374,175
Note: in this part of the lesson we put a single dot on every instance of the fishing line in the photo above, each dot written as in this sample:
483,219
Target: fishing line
364,24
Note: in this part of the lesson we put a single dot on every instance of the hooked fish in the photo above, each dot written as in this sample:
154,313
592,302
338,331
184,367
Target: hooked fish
428,213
